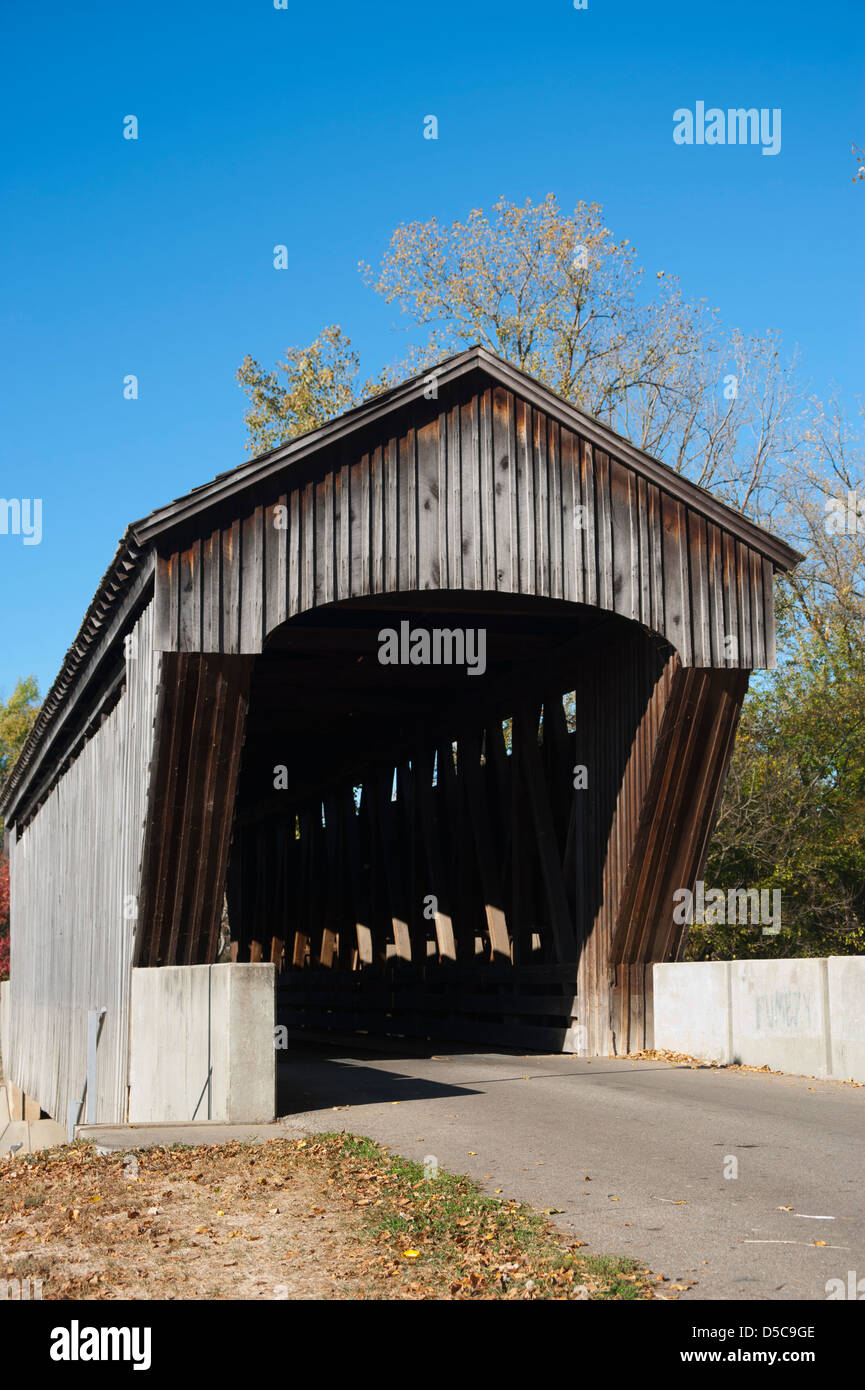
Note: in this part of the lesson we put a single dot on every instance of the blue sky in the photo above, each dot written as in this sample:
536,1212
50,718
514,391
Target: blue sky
304,126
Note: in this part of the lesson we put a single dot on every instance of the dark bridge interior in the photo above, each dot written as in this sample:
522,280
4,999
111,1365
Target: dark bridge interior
425,864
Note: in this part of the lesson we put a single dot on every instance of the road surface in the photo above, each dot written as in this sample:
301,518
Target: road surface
639,1156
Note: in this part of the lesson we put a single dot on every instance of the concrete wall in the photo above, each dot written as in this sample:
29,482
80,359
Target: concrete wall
800,1016
189,1021
847,1015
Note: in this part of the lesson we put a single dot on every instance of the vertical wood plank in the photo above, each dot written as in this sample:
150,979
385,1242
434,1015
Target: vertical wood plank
428,509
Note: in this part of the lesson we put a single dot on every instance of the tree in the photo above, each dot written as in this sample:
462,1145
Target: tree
792,816
308,387
17,716
559,297
822,511
16,720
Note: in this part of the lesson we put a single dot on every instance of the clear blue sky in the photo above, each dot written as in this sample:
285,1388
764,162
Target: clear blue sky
304,127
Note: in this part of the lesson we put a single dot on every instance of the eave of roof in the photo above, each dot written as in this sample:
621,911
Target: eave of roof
114,587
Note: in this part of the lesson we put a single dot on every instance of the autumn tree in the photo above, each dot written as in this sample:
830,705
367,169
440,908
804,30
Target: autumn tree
792,815
561,298
307,387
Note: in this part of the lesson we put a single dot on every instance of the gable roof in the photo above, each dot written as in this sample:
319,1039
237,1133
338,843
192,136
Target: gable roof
127,583
225,486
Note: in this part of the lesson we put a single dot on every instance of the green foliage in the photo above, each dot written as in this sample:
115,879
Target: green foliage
793,810
16,720
309,386
17,716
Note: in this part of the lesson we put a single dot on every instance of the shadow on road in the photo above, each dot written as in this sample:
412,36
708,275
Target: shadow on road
322,1073
319,1083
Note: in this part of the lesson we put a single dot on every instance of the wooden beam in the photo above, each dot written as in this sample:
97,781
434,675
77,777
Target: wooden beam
469,768
431,830
547,844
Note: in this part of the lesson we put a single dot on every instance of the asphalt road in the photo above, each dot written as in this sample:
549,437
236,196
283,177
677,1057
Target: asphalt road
633,1153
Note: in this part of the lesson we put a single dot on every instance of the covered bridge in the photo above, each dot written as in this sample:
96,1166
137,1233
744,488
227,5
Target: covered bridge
438,698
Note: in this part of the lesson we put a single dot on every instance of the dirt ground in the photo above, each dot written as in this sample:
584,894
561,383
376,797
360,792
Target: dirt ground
334,1217
206,1223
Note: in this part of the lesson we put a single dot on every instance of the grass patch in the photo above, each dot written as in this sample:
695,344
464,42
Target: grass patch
454,1241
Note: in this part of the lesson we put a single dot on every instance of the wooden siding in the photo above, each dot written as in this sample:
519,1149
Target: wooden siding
75,884
200,724
485,492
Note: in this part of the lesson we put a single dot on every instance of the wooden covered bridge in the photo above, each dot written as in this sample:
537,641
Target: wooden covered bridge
439,697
